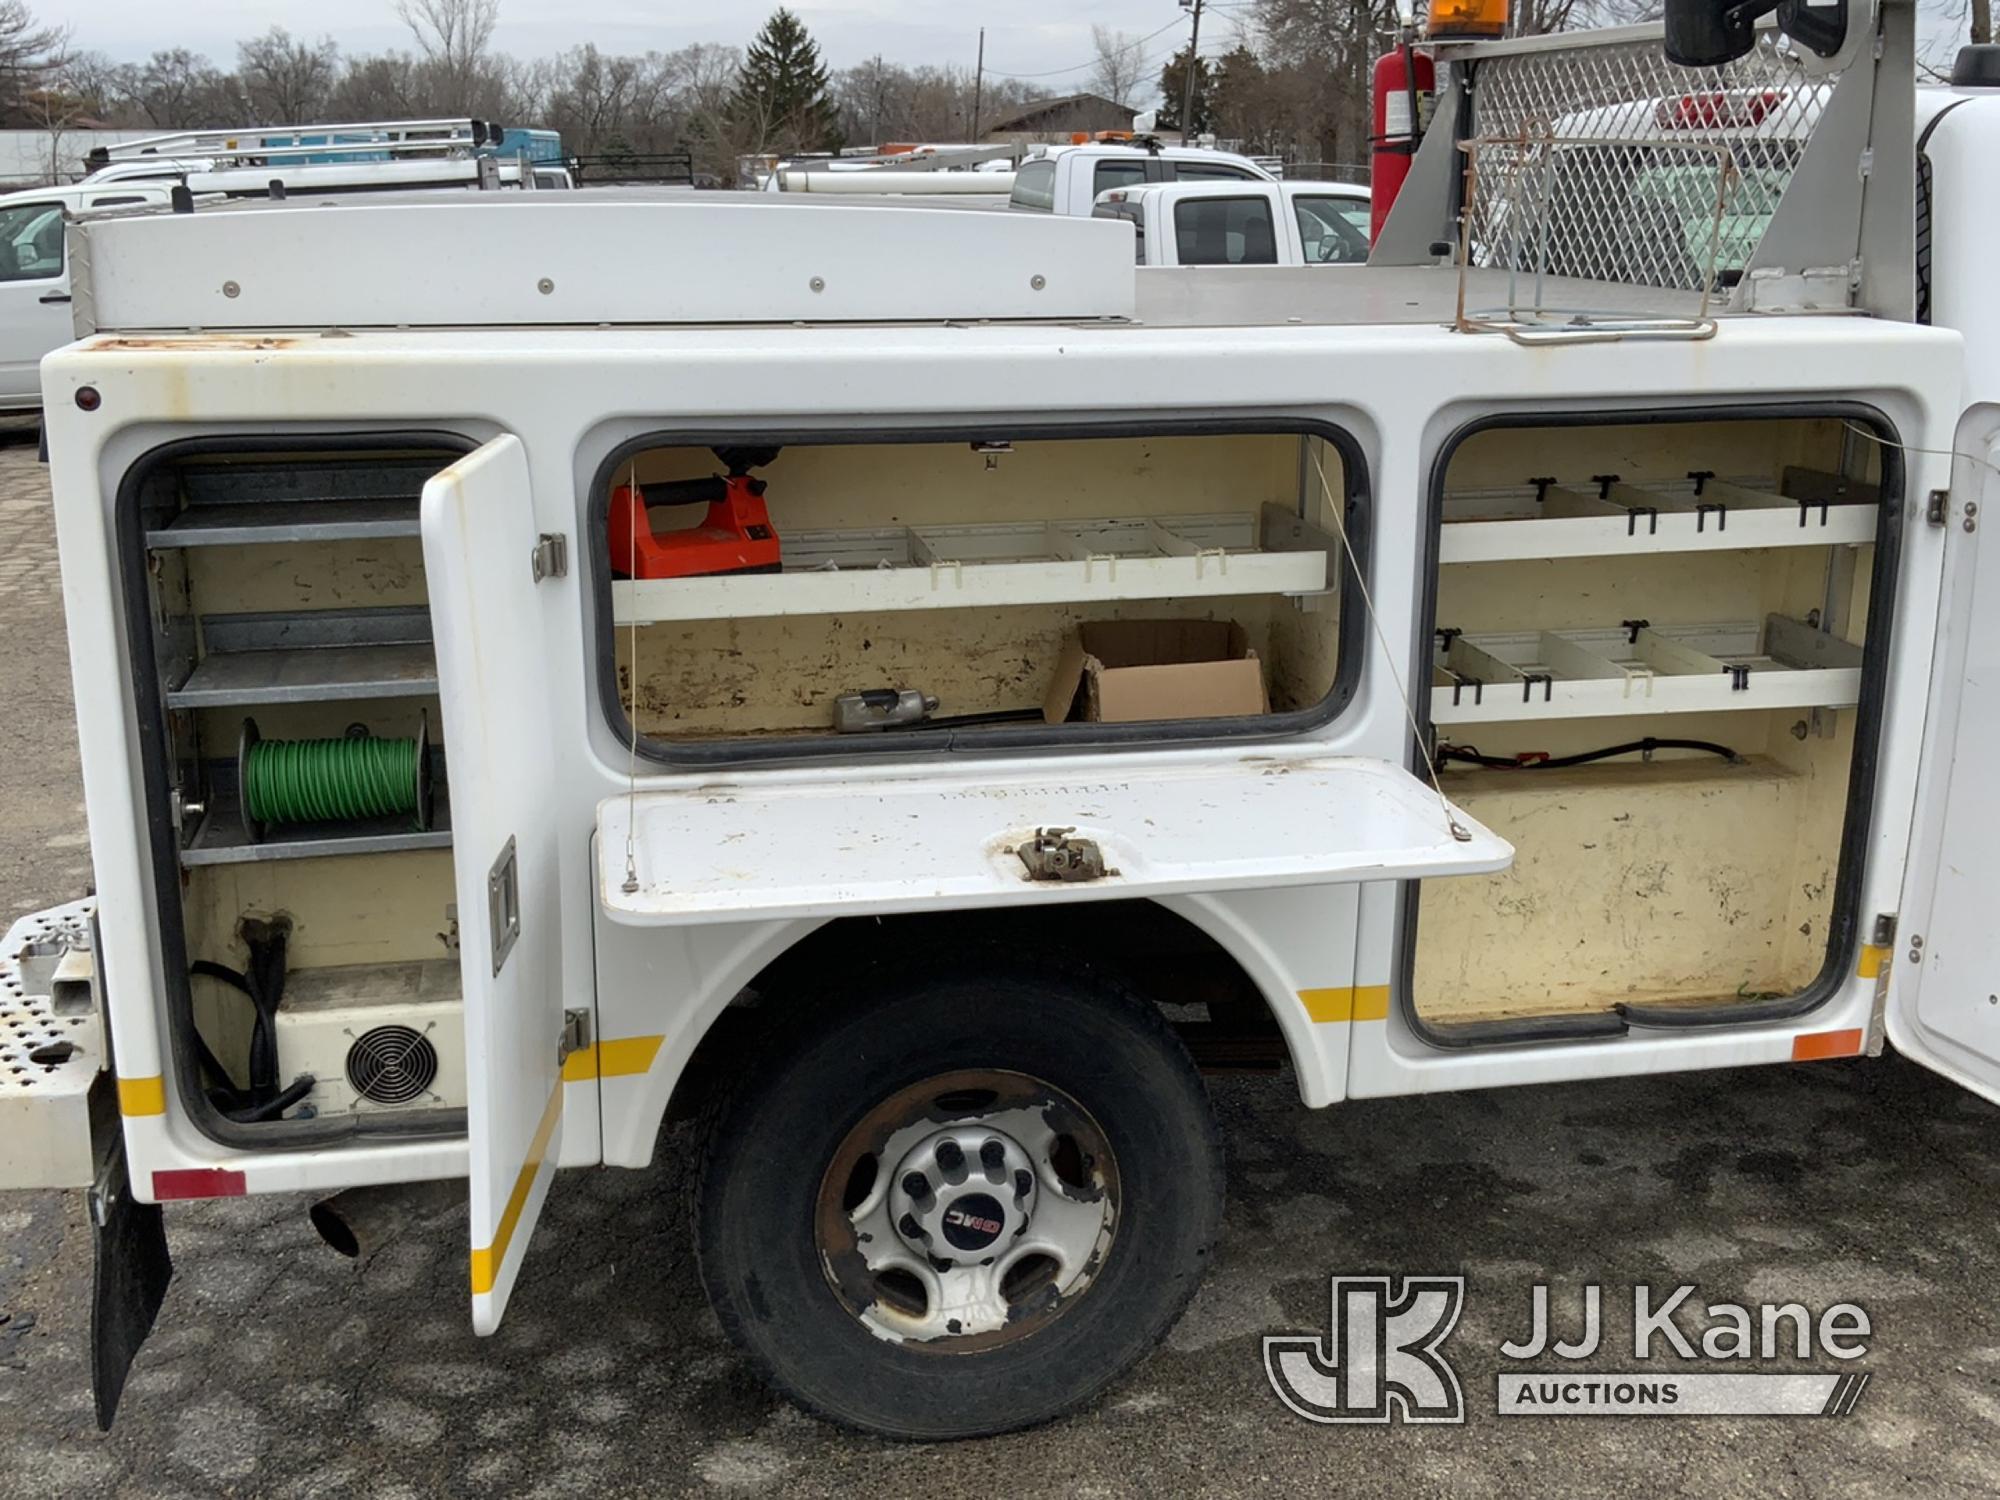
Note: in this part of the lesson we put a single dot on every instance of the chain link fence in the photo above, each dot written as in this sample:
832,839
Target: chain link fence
1608,163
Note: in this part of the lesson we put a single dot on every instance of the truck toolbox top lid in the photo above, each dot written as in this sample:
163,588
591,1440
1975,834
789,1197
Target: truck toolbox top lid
627,257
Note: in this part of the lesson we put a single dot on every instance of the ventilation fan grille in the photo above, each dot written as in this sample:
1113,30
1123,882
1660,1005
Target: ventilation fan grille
392,1065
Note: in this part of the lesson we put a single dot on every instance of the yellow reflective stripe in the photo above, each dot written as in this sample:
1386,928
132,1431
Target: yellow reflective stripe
615,1058
142,1096
486,1263
1873,957
1361,1002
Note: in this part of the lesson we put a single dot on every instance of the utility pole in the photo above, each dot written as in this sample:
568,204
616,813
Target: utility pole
1187,84
978,78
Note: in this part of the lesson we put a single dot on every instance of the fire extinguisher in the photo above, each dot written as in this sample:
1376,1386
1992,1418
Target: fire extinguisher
1405,90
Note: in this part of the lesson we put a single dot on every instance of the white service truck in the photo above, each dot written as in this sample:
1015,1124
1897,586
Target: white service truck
1243,223
1067,179
1417,679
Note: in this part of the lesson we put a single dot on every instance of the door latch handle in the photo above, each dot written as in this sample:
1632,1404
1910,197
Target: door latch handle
50,298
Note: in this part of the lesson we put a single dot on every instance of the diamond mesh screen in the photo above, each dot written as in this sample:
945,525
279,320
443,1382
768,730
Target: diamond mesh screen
1608,162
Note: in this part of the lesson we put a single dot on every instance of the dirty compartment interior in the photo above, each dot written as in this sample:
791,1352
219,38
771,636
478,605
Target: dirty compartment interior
287,593
1598,585
959,570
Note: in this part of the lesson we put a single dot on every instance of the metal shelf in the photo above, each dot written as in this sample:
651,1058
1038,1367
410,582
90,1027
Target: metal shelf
1609,518
246,503
220,838
286,521
311,656
1033,562
1640,670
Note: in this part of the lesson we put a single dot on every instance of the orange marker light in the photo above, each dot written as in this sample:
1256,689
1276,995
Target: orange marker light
1467,18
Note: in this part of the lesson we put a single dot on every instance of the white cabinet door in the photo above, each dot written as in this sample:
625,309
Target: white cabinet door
1944,982
493,678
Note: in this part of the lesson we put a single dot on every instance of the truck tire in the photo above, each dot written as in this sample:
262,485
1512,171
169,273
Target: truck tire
959,1203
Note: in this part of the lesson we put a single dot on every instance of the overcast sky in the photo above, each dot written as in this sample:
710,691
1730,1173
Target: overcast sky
1049,38
1022,36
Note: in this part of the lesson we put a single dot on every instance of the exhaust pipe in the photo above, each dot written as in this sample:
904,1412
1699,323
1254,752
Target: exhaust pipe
360,1221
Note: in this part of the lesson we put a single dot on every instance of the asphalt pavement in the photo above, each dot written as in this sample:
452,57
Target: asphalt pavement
279,1369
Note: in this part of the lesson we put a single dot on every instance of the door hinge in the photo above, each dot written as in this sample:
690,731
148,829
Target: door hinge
1937,510
1054,855
1884,934
575,1034
551,556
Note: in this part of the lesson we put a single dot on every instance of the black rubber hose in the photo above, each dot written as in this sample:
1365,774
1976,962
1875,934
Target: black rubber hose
1469,754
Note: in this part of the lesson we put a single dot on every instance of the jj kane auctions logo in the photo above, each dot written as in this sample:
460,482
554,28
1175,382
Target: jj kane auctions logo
1381,1358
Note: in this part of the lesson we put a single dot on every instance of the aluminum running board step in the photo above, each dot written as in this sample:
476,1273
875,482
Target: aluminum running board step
790,845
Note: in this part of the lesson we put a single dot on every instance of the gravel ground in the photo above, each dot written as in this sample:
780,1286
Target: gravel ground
277,1368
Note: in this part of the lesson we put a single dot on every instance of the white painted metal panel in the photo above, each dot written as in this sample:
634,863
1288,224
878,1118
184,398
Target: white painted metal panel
494,683
518,258
1944,968
736,850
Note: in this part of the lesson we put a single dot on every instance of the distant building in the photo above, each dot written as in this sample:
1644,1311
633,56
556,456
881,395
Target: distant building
1057,119
31,158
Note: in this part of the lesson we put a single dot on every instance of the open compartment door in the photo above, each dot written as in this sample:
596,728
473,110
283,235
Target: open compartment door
1944,1003
479,548
783,847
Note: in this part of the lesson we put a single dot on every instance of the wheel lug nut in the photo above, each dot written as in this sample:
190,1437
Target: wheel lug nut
950,1156
917,1185
1023,1182
910,1228
993,1155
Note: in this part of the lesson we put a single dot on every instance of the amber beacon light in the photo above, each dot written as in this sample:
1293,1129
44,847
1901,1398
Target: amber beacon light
1467,18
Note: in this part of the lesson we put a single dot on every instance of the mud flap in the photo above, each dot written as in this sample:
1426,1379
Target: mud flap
130,1268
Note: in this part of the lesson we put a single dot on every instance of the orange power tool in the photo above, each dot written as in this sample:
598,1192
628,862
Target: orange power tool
734,537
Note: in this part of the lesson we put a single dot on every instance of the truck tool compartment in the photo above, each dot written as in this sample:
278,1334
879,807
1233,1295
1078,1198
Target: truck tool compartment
285,677
1698,598
959,572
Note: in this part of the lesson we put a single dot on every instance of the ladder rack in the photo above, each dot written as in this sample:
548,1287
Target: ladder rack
301,145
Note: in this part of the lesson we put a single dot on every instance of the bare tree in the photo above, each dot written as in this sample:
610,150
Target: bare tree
181,90
452,36
1120,64
287,80
29,52
453,32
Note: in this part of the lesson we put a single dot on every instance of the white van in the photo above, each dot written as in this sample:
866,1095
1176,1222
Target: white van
34,276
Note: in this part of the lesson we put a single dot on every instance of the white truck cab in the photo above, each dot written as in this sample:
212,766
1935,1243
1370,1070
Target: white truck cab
1287,223
1424,678
1067,179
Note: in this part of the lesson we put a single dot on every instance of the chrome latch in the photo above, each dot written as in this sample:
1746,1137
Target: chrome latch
503,905
1054,855
551,555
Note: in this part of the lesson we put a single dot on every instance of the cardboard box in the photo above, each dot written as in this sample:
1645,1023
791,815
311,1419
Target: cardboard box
1122,671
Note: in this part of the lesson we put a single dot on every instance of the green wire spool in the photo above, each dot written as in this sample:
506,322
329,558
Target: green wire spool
348,780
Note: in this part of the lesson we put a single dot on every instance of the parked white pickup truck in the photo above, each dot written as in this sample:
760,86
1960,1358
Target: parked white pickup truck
1067,179
1243,223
